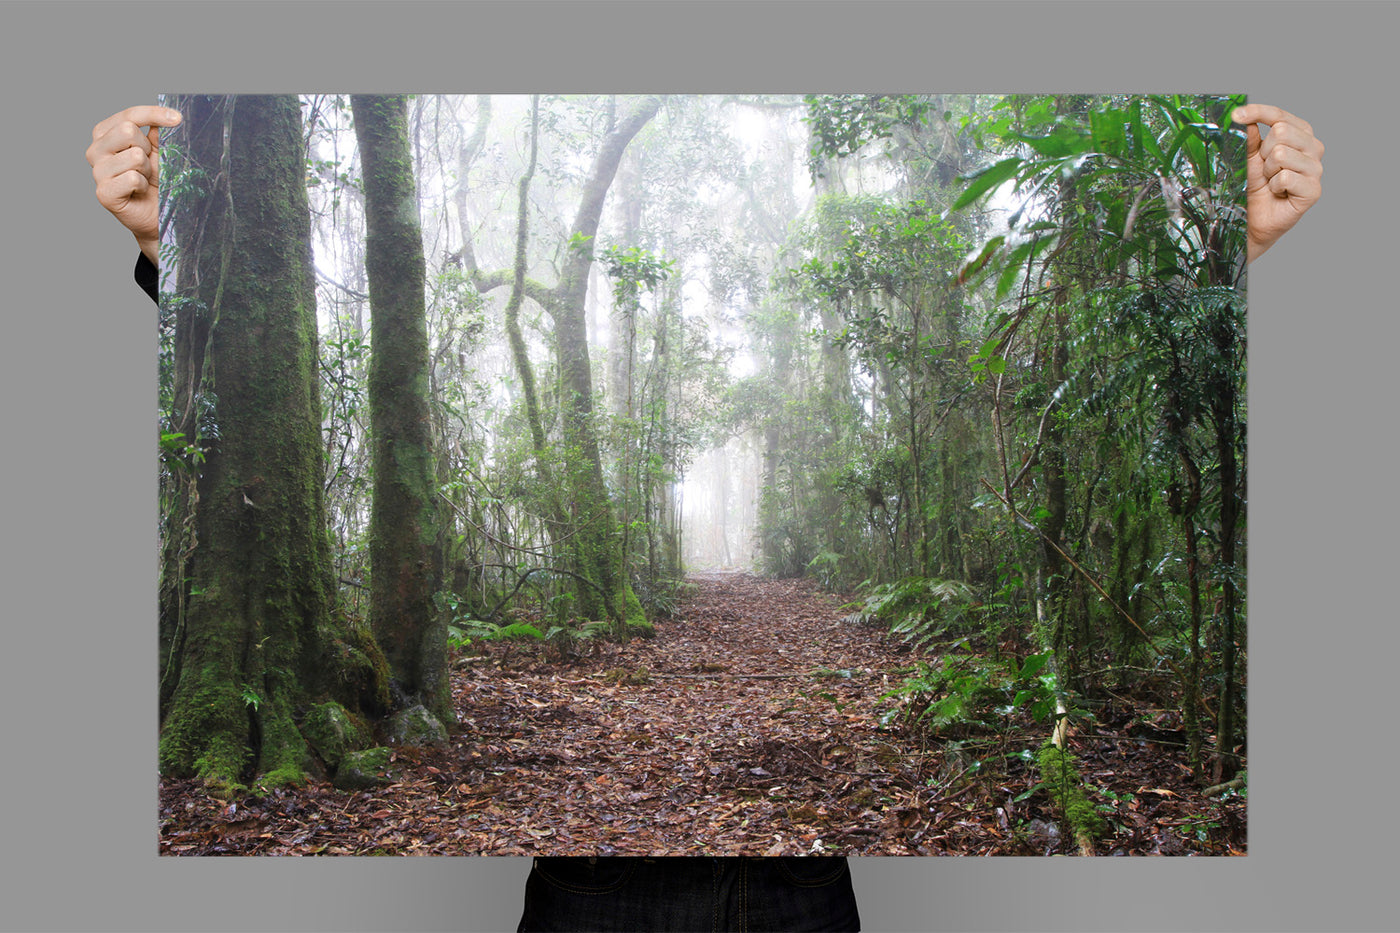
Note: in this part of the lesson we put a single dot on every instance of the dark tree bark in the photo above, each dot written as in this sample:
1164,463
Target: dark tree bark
405,544
1228,442
248,631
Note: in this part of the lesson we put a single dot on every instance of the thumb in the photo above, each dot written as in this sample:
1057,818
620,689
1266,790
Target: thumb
153,134
1254,163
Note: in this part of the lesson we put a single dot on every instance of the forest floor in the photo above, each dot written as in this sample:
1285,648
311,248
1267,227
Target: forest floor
748,726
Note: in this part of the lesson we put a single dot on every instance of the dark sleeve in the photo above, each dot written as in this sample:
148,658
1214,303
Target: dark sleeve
148,276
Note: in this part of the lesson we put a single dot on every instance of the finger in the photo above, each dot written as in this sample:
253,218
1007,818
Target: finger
1254,163
1268,115
119,163
142,115
118,137
116,192
153,160
1294,137
1284,158
1300,190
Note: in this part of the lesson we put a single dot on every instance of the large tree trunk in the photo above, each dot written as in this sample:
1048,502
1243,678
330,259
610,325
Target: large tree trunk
251,635
405,543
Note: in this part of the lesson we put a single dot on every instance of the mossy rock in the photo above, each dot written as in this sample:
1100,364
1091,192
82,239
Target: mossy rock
635,617
365,769
333,732
415,726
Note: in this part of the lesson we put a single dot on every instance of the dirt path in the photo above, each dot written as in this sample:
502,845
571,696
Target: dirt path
747,726
744,727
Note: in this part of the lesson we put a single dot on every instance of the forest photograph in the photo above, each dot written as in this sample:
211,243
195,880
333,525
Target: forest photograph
746,474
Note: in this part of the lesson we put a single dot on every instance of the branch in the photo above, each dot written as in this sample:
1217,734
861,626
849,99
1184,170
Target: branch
353,293
541,294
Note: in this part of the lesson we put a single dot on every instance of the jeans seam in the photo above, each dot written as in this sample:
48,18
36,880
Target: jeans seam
744,895
587,891
714,895
820,882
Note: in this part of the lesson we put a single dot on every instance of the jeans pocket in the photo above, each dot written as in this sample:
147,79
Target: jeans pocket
579,875
812,870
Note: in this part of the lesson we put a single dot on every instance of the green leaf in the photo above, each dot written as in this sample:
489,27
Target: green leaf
1107,129
1033,664
1062,142
984,256
986,180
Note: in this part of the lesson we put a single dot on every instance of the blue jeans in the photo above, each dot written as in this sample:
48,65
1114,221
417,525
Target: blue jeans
638,895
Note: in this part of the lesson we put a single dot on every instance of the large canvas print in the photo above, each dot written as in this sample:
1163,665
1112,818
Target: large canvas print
752,474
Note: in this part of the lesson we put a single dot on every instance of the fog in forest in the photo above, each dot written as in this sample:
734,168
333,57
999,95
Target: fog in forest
717,190
975,363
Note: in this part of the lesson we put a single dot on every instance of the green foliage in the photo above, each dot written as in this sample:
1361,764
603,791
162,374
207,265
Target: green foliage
843,124
462,631
514,630
178,454
581,243
635,269
917,609
964,690
1158,185
824,568
953,692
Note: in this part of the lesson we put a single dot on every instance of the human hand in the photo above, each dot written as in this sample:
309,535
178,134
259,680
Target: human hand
125,164
1283,172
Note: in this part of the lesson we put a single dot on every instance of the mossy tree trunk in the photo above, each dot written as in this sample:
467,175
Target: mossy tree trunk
597,544
248,629
593,533
406,524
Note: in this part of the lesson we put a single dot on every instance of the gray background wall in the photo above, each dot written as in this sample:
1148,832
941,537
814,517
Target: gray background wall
77,782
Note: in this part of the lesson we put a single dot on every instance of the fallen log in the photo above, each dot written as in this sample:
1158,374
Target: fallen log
1237,784
1065,786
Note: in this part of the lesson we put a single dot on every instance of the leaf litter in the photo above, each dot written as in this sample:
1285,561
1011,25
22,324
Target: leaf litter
748,726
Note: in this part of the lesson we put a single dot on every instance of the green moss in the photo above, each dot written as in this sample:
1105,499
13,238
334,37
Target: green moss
364,769
283,754
334,732
224,789
1062,780
362,680
282,777
635,616
206,734
376,758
